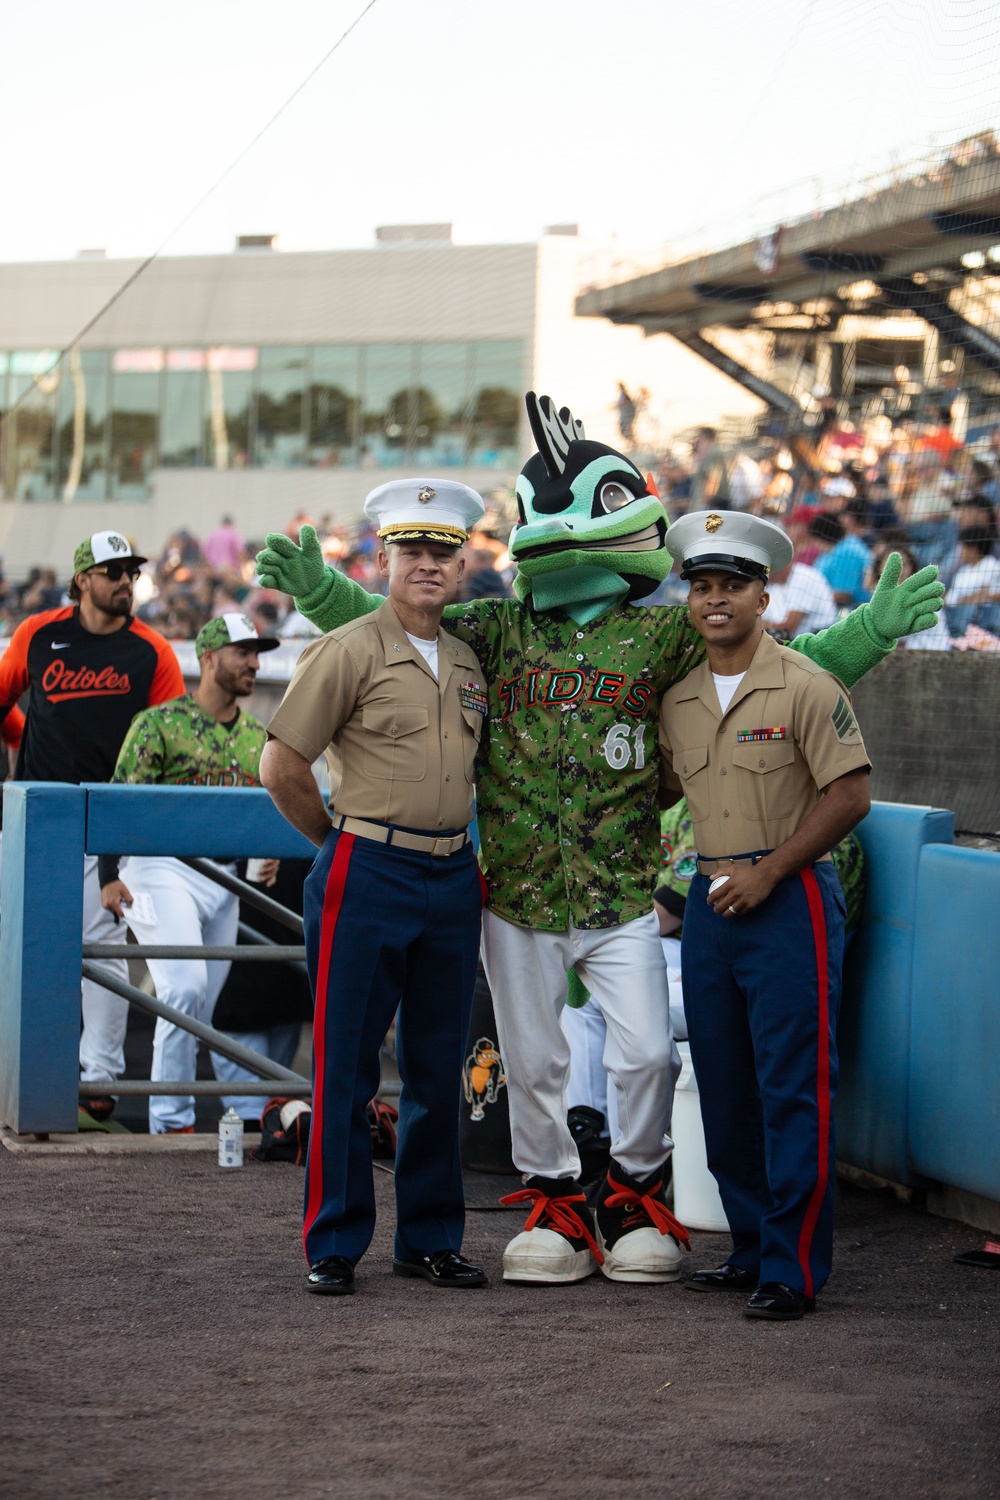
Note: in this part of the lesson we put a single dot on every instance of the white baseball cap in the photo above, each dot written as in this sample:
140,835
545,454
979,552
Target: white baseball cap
102,547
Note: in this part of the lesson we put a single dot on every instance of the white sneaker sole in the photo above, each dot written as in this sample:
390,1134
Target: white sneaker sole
525,1259
658,1264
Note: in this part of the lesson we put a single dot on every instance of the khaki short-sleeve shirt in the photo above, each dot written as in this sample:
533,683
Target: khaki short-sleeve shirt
753,773
401,746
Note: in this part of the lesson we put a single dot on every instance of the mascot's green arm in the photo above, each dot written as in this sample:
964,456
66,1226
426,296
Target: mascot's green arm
898,607
848,649
337,599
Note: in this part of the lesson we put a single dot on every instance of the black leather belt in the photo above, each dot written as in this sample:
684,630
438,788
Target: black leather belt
709,865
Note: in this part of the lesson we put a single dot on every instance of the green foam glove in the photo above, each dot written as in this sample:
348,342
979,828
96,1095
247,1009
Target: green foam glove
292,569
896,609
578,994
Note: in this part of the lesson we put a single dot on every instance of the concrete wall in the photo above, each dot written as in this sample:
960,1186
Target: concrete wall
342,296
930,721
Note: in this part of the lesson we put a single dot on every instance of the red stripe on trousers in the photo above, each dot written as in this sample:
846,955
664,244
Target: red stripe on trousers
817,916
333,898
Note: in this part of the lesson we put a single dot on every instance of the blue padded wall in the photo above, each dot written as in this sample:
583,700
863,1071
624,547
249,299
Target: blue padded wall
955,1031
874,1034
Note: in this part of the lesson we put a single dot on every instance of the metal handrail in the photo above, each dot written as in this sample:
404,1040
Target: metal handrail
251,894
244,952
220,1041
211,1087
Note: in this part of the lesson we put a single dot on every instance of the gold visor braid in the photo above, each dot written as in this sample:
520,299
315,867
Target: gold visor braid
423,531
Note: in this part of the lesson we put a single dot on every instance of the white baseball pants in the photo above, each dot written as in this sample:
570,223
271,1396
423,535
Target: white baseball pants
624,971
189,909
105,1016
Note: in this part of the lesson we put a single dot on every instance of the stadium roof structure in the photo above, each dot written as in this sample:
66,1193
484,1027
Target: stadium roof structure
906,247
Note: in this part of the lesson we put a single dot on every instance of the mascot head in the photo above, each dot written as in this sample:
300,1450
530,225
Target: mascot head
591,530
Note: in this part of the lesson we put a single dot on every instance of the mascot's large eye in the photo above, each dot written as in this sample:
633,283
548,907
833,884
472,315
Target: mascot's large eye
613,495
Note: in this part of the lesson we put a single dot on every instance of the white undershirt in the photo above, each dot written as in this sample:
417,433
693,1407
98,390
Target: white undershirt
726,688
428,650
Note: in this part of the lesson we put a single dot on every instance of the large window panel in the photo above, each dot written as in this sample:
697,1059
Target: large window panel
390,405
334,405
183,409
497,394
29,441
230,376
441,418
135,421
280,441
82,458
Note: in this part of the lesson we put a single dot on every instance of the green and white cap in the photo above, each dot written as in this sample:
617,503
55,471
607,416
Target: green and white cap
102,547
230,630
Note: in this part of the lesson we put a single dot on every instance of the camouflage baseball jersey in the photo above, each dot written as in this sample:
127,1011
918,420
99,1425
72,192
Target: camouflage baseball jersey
568,769
178,744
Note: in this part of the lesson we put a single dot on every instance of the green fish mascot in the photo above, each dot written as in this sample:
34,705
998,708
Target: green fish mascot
576,666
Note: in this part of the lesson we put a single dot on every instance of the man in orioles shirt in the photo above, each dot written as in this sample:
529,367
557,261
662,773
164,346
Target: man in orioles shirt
91,666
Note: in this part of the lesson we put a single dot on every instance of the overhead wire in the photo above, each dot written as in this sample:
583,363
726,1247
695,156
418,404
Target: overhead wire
144,265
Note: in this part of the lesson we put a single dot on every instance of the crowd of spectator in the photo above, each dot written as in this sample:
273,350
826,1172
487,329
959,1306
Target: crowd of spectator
849,496
192,581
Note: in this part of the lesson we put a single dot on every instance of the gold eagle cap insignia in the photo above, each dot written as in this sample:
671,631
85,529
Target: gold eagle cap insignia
426,495
713,522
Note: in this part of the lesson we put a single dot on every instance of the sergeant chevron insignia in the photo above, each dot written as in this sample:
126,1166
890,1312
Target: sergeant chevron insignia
843,721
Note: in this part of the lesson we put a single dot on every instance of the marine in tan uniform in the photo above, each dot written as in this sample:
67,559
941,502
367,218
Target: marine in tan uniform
392,904
766,748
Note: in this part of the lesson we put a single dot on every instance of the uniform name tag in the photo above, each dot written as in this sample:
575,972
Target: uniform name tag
747,736
474,696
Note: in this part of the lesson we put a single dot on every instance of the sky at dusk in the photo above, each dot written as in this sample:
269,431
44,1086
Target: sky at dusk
654,122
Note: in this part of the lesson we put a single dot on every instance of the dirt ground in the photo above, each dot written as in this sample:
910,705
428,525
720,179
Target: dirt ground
157,1343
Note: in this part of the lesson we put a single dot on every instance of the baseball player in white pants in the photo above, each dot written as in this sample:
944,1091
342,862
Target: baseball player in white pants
200,739
105,1016
187,909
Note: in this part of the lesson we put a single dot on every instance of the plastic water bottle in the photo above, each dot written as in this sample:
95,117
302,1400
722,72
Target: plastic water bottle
230,1139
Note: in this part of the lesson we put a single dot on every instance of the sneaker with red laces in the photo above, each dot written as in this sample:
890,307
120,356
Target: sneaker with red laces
638,1235
557,1243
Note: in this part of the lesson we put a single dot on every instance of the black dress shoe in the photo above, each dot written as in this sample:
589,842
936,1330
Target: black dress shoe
726,1278
443,1268
775,1300
331,1277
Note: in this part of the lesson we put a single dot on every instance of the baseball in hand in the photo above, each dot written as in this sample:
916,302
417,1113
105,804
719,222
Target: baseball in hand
719,880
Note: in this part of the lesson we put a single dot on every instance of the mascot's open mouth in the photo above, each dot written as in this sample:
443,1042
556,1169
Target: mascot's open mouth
649,539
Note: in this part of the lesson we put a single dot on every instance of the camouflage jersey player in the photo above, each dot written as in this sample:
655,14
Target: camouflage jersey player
568,818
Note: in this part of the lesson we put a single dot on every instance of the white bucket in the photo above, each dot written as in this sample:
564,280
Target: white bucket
696,1198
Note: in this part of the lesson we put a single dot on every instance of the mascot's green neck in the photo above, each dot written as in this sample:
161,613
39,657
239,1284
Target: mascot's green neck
582,592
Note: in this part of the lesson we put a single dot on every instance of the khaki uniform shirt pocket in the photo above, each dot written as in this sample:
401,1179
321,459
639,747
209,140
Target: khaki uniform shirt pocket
473,728
395,741
691,769
770,785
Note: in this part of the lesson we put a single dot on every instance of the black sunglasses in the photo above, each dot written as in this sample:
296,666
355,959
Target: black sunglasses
115,570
